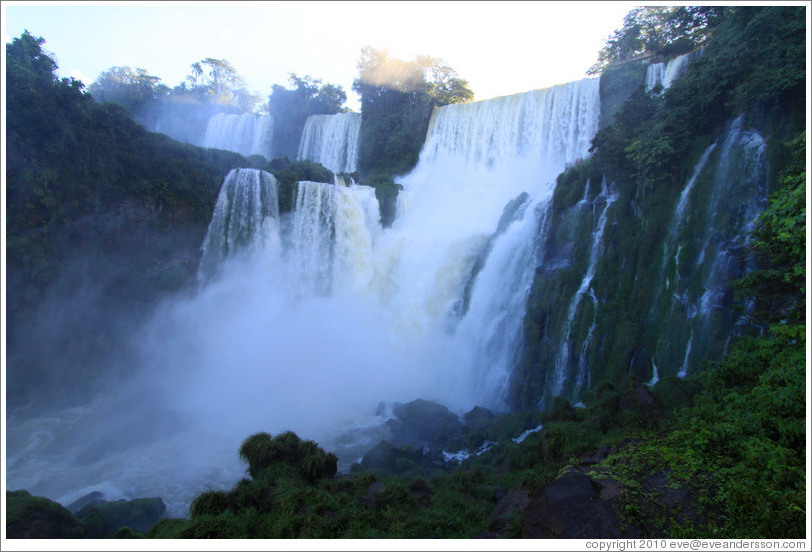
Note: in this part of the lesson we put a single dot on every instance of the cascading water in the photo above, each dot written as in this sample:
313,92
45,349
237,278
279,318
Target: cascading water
245,216
665,74
323,314
477,158
705,246
331,238
246,134
562,372
332,140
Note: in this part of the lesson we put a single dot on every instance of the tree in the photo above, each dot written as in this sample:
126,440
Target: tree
290,108
659,31
397,100
133,89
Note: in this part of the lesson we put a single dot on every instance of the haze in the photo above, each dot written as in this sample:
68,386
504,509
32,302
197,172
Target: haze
500,48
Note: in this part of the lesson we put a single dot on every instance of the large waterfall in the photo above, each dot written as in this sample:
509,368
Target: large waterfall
246,134
332,140
306,320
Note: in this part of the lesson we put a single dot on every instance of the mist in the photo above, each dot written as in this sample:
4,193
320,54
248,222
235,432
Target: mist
321,314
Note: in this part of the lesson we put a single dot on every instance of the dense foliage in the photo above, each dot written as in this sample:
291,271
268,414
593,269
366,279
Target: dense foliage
659,31
646,153
743,439
397,100
290,108
288,173
733,437
91,196
777,287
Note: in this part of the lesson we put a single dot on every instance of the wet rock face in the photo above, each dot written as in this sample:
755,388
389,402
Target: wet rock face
422,421
570,507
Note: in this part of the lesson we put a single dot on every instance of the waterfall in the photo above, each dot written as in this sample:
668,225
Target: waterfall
306,320
332,237
246,134
665,74
477,158
705,246
561,374
245,216
332,140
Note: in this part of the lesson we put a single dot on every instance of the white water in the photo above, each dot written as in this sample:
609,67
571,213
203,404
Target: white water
719,229
665,74
329,314
332,140
245,216
561,371
246,134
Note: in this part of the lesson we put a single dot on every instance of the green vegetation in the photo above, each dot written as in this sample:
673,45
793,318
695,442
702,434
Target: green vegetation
288,173
647,153
397,101
290,108
36,517
743,438
84,181
659,31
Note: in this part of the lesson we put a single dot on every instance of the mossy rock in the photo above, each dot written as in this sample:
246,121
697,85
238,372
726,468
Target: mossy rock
168,528
286,454
104,520
34,517
424,422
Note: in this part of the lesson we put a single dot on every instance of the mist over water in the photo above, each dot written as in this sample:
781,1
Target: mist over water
330,314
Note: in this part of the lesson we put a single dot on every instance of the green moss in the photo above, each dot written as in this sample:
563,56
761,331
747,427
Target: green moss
39,518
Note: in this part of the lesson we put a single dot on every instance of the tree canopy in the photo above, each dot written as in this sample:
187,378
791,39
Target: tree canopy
397,100
290,108
659,31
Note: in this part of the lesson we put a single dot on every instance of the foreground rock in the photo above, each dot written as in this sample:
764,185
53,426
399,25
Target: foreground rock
102,520
34,517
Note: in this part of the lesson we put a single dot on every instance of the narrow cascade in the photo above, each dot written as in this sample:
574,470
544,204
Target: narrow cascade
655,75
332,140
677,220
665,74
246,134
245,217
562,370
655,377
705,248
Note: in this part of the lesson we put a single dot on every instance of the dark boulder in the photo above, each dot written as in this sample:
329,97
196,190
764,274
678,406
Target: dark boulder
478,419
385,456
637,398
514,501
421,422
570,507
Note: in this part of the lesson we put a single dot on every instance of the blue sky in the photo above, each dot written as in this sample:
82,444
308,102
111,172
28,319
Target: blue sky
499,47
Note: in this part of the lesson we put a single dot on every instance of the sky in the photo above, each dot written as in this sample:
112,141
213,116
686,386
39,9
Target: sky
500,48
